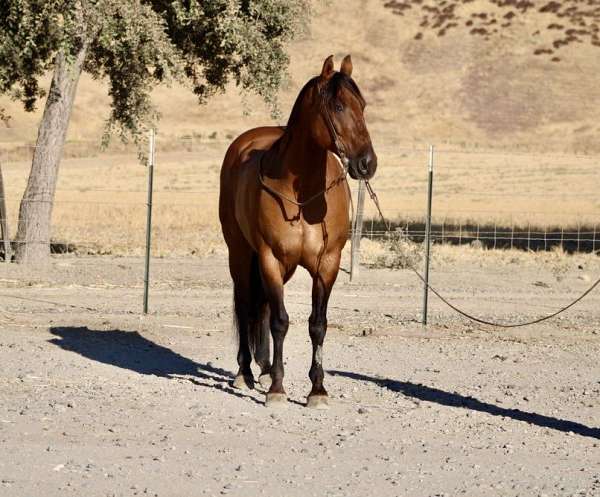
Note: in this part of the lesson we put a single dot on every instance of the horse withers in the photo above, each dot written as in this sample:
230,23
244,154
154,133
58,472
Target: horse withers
284,203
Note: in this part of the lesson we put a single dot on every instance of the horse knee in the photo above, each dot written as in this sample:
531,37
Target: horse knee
317,329
280,323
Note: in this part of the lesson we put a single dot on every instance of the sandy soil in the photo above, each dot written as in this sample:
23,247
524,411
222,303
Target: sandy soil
96,400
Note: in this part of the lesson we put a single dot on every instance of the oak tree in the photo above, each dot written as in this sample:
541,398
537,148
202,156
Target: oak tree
134,45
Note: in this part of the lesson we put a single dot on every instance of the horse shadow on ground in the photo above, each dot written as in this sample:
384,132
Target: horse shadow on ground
130,350
441,397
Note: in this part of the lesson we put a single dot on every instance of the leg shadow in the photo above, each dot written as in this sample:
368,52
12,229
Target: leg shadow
130,350
441,397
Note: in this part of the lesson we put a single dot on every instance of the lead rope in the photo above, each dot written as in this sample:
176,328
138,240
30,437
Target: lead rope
376,202
465,314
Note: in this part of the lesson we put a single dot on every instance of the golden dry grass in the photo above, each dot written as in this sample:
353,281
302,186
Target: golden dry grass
406,254
101,200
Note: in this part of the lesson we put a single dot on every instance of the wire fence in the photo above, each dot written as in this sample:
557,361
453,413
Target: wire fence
484,197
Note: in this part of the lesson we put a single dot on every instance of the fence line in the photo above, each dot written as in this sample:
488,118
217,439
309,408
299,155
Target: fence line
585,237
489,234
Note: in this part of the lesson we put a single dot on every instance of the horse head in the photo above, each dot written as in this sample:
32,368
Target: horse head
338,119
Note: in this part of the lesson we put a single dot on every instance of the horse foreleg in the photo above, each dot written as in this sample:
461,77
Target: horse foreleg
323,281
272,273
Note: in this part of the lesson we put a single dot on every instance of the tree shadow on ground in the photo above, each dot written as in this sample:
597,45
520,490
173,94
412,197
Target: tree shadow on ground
441,397
130,350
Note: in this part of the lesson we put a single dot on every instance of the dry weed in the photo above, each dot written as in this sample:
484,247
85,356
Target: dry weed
392,252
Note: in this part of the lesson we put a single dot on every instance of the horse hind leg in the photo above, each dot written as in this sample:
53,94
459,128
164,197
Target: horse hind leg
262,351
240,265
260,330
244,379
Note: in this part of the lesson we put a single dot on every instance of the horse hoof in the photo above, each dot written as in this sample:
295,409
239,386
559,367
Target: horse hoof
276,399
265,381
242,382
318,402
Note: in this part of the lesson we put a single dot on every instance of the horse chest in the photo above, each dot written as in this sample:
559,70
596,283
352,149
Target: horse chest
285,240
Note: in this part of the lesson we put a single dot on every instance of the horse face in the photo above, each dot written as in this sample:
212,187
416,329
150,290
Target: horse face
342,104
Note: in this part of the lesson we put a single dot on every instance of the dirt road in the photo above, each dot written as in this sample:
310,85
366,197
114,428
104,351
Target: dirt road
98,401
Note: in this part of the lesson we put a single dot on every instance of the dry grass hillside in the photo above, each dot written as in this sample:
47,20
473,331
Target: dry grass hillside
457,89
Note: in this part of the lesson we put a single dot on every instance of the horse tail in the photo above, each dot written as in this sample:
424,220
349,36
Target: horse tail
258,301
250,309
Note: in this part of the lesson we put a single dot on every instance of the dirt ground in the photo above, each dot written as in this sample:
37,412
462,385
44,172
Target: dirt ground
97,400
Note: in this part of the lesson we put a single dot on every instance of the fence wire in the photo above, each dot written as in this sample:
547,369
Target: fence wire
455,224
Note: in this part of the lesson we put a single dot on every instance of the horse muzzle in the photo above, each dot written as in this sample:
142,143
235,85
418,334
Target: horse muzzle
363,166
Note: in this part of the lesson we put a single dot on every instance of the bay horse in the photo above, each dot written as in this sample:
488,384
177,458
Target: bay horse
283,203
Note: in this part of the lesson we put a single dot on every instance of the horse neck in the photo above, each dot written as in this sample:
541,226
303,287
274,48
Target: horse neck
300,163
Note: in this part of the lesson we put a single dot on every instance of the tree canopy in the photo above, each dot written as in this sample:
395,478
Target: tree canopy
137,44
568,21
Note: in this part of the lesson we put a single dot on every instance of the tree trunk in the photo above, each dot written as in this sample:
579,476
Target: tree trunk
35,213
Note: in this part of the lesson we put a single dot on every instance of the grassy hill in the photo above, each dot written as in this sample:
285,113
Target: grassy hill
458,89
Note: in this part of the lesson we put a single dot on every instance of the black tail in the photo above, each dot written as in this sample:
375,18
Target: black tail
250,310
258,305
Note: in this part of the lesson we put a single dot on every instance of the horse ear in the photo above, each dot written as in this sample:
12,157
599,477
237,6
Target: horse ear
327,70
347,66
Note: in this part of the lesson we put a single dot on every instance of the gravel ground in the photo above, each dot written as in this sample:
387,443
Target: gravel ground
97,400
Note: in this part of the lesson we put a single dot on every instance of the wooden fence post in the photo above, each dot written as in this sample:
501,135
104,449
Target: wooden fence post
357,223
4,234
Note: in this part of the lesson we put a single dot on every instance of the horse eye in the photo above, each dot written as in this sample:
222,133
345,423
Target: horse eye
339,107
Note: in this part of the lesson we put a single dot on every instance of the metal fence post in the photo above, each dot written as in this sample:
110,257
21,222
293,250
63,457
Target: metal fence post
428,233
149,217
357,224
512,233
5,237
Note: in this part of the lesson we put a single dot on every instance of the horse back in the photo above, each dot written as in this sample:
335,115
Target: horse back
236,164
256,139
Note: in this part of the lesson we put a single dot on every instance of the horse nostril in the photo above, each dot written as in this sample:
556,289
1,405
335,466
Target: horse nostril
363,166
